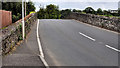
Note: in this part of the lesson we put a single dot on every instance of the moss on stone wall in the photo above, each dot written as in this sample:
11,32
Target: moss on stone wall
13,34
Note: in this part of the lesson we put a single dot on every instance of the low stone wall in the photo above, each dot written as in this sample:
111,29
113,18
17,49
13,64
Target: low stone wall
13,33
100,21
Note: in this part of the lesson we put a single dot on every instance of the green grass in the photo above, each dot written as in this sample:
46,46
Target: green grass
3,27
110,16
83,12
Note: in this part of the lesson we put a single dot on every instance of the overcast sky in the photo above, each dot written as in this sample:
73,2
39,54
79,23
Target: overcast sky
79,4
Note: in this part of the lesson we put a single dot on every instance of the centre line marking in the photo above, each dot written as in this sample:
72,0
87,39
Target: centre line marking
87,36
112,48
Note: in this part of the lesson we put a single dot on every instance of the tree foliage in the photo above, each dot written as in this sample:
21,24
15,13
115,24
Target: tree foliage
30,7
41,13
65,13
51,12
89,10
74,10
16,8
118,11
99,11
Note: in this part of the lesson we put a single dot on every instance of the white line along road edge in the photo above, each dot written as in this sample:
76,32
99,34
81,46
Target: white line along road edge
39,43
112,48
40,48
87,36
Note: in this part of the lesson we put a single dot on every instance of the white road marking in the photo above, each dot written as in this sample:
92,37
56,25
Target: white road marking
40,48
44,62
39,43
99,42
112,48
87,36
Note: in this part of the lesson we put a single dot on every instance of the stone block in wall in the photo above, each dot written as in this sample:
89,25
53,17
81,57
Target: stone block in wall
100,21
13,33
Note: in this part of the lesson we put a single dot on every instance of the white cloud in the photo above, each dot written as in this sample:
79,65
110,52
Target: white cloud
81,5
63,0
75,0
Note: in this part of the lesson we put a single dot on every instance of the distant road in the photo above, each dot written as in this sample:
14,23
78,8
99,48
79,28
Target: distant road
71,43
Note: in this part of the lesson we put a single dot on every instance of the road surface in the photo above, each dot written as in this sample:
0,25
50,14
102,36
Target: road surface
72,43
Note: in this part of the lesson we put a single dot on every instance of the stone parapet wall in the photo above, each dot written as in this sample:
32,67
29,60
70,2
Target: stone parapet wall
110,23
12,34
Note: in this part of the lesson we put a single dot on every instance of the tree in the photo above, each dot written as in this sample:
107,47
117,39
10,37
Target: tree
74,10
78,10
119,12
16,8
99,11
65,13
52,11
30,7
105,12
41,13
89,10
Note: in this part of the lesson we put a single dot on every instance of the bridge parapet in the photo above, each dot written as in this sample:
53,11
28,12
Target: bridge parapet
11,35
110,23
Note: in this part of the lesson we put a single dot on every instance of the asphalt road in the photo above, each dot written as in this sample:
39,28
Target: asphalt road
71,43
